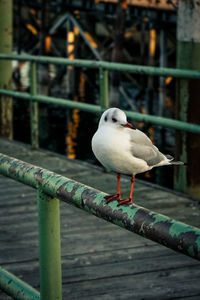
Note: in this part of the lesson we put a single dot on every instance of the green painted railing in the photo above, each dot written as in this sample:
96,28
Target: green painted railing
51,188
17,288
104,68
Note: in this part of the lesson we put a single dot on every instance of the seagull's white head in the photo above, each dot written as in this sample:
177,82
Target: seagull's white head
114,117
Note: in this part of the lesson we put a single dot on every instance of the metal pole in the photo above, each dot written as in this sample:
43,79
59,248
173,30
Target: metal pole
151,62
34,106
6,102
103,83
117,51
49,247
163,63
188,57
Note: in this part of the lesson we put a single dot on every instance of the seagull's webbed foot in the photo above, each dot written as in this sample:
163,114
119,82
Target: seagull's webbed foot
110,198
127,201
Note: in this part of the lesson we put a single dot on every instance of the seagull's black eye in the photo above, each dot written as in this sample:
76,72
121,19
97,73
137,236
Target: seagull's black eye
114,120
106,119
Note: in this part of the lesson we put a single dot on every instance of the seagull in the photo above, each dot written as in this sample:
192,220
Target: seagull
120,147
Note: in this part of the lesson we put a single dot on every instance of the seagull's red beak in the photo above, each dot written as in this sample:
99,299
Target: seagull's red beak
129,125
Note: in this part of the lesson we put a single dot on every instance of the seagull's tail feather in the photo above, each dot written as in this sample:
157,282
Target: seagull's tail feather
174,162
177,162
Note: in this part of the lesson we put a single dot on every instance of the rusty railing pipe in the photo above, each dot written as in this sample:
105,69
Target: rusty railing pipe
159,228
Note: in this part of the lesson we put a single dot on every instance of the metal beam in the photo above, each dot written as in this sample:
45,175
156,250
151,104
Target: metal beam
159,228
75,23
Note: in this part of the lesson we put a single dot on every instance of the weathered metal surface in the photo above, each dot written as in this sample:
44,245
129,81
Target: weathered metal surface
34,120
187,100
17,288
103,84
49,246
137,69
6,102
159,228
188,22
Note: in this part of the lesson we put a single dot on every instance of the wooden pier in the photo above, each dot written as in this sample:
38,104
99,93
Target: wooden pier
99,260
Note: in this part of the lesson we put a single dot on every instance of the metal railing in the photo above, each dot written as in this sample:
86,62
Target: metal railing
104,68
51,188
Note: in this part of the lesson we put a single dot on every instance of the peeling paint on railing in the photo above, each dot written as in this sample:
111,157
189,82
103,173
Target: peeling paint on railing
159,228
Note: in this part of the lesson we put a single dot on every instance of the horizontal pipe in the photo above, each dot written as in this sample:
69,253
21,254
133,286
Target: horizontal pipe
69,103
16,288
137,69
165,122
159,228
55,101
19,95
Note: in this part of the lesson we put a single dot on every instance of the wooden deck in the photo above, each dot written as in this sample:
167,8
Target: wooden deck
99,260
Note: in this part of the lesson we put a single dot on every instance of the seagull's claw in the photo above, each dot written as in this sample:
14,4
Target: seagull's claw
127,201
110,198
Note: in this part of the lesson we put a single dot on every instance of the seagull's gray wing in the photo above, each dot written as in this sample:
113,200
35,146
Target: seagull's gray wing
142,147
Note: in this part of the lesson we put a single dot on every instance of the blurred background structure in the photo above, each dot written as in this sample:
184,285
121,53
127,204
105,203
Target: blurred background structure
138,32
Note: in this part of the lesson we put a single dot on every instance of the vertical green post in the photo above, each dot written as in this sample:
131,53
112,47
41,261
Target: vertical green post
49,247
34,106
6,102
188,57
103,82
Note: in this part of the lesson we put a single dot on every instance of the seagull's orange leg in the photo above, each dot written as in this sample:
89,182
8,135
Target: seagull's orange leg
118,184
130,199
117,196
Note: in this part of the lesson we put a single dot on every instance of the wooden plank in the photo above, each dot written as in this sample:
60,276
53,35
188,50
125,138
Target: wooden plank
156,279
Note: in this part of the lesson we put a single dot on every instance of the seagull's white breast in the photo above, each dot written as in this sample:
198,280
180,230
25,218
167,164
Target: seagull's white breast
111,147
